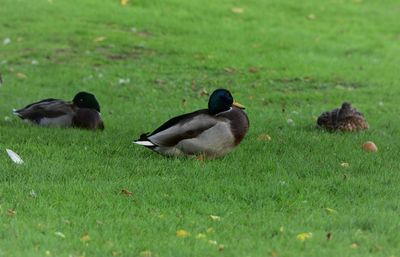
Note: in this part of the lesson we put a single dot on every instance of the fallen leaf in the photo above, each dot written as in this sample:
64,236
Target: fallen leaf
201,236
21,75
344,164
221,247
213,242
114,253
329,236
311,16
304,236
264,137
370,146
59,234
237,10
229,70
14,157
184,102
126,192
210,230
182,233
215,218
11,212
123,2
253,70
85,238
146,253
281,229
99,39
204,92
354,246
330,210
290,122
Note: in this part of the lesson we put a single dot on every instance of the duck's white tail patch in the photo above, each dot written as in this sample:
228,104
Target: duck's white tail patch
15,112
144,143
14,157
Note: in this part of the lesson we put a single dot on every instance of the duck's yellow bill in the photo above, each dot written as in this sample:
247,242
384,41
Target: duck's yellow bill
238,105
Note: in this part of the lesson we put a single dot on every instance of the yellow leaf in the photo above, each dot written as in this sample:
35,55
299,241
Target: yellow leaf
85,238
330,210
264,137
213,242
354,246
146,253
21,75
99,39
182,233
237,10
304,236
123,2
215,218
201,236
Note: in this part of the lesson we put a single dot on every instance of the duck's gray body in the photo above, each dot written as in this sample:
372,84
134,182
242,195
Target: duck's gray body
199,133
49,112
59,113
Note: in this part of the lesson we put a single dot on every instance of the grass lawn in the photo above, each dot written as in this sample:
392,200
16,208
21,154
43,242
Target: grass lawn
151,60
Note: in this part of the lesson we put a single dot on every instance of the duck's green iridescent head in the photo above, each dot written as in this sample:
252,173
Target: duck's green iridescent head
221,100
86,100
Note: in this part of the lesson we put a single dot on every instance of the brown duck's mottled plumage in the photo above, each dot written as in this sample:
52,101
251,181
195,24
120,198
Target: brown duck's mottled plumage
346,118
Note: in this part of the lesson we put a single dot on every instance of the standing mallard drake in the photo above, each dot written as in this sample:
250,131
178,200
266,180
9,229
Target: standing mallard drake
346,118
82,112
213,132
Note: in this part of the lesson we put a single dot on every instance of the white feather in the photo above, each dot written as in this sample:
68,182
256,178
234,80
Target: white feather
144,143
14,157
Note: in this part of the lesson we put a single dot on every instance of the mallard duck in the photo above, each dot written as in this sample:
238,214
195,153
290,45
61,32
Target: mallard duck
211,132
82,112
346,118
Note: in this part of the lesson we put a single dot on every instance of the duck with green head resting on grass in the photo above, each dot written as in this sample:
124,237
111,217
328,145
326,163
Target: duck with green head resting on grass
82,112
211,132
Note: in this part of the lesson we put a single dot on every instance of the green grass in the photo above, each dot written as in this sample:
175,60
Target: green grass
310,57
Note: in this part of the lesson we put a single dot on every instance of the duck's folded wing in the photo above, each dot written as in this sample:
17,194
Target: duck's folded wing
49,108
189,126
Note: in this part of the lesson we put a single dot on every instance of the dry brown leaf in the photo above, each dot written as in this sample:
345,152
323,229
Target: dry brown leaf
370,146
221,247
229,70
126,192
11,212
204,92
329,236
254,70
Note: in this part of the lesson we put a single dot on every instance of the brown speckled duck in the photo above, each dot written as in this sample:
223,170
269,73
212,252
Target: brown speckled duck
82,112
211,132
346,118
